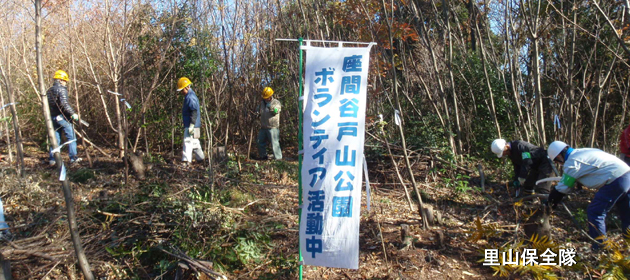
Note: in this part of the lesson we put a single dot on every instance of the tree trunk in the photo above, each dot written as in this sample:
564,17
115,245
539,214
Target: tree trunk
472,24
447,128
121,134
484,62
16,124
75,89
67,192
425,223
600,86
449,62
542,137
7,132
512,65
572,106
16,130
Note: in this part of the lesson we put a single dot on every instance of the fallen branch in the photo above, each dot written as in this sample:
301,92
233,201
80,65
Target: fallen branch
576,223
533,196
50,270
110,214
456,166
92,144
253,270
248,204
10,252
197,265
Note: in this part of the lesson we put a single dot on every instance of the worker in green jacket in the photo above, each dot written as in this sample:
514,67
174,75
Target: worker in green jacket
269,109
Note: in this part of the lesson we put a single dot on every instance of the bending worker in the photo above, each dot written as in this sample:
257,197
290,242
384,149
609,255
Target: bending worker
594,169
530,164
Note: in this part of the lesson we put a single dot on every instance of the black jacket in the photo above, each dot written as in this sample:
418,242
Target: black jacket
525,156
58,101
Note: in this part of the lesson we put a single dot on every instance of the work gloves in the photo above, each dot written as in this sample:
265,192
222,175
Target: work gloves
274,109
518,184
75,117
191,130
517,188
555,197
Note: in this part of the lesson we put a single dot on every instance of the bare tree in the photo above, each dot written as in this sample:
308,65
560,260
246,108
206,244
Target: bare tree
5,71
72,220
532,20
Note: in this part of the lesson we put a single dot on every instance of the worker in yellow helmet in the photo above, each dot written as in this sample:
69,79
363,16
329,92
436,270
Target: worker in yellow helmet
269,109
192,122
62,115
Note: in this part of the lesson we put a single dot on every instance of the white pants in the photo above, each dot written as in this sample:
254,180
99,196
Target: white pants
192,145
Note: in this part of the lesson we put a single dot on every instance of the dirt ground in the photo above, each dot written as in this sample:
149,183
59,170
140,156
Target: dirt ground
128,231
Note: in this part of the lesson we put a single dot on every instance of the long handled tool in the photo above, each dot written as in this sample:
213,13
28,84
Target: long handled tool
575,222
550,179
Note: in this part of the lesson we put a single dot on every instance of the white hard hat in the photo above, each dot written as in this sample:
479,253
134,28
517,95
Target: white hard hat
497,147
555,148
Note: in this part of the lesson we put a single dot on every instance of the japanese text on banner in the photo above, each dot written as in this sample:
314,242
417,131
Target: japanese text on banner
334,122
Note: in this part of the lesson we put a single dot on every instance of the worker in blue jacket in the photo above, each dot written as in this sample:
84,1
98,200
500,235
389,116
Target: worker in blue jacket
191,116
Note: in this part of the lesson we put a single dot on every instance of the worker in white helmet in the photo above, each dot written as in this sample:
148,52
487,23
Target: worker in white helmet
594,169
530,164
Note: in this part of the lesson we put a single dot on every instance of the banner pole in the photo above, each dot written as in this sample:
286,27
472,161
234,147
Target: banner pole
300,157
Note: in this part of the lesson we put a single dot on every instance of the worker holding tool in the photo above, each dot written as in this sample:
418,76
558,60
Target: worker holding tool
624,145
530,164
62,115
192,122
269,109
594,169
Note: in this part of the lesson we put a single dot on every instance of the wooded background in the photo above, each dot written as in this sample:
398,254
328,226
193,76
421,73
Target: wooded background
461,73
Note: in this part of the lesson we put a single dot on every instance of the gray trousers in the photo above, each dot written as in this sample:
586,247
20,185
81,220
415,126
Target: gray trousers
264,137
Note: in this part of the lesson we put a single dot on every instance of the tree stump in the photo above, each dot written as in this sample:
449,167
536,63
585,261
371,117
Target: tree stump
538,224
439,238
136,163
406,237
427,213
482,177
437,217
219,154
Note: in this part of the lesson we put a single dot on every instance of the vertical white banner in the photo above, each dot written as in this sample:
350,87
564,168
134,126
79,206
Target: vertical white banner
335,91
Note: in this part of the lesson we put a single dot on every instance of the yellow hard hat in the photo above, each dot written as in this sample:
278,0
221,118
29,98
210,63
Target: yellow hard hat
182,83
61,75
267,92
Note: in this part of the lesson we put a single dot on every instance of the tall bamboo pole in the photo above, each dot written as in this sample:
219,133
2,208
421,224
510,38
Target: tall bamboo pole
300,146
